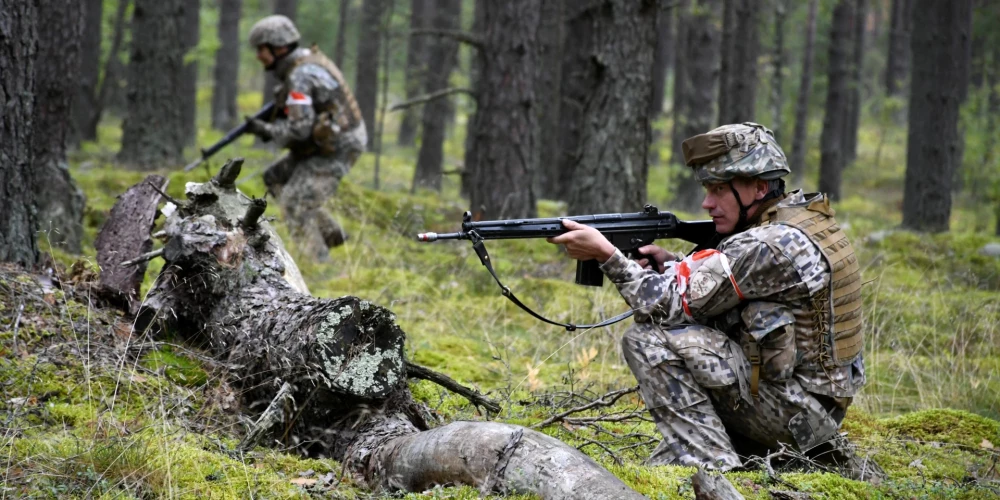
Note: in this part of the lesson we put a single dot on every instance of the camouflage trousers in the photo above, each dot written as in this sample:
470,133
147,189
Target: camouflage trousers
694,381
302,186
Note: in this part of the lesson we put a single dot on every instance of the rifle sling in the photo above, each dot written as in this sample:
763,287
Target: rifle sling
479,245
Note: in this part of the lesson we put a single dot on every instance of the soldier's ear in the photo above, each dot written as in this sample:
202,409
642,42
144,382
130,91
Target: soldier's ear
761,189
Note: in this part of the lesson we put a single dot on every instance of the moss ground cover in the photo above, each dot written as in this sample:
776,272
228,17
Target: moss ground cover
82,420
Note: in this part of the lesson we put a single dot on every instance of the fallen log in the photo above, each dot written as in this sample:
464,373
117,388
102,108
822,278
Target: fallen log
228,284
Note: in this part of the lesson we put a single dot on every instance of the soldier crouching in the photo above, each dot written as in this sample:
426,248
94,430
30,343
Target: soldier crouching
319,123
752,343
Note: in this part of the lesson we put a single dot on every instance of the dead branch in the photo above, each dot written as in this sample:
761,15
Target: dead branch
461,36
474,397
438,94
603,401
271,416
146,257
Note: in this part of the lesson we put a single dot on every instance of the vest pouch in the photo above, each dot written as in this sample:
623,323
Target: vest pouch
324,133
772,327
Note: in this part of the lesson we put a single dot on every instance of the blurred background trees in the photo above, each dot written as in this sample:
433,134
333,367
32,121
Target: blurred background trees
580,103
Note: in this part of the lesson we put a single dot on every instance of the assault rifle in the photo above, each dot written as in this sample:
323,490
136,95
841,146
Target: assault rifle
626,231
232,135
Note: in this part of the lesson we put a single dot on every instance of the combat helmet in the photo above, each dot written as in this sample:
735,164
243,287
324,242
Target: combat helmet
276,31
738,150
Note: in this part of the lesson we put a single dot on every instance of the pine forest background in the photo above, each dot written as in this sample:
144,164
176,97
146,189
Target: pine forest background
519,108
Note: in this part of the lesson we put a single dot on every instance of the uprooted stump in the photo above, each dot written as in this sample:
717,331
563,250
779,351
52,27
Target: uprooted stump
228,284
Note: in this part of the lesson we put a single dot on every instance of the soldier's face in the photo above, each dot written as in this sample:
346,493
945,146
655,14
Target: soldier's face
264,55
722,205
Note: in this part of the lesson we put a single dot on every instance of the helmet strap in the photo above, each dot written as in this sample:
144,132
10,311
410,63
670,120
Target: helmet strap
276,57
772,193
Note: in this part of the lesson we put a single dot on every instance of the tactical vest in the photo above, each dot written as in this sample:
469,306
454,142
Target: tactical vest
837,310
332,117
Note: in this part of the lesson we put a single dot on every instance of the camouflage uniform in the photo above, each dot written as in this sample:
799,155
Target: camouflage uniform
323,130
736,341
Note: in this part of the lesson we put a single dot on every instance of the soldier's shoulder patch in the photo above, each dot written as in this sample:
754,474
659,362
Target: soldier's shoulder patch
701,285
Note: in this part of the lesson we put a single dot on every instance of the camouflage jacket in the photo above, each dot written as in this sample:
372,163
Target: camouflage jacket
304,88
756,285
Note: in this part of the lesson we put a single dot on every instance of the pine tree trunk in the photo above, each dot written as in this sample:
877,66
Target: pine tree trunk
799,137
661,61
189,92
700,75
442,52
18,45
417,77
153,132
476,63
778,71
854,83
832,155
506,130
898,62
614,141
341,47
551,34
738,68
85,103
110,96
369,49
578,84
226,76
942,33
114,95
58,200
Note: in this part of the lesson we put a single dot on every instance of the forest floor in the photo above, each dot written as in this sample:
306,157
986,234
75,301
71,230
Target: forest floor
92,408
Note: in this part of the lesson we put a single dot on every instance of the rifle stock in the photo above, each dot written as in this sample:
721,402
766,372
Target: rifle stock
263,114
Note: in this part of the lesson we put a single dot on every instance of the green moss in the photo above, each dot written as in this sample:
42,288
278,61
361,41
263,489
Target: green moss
178,368
947,426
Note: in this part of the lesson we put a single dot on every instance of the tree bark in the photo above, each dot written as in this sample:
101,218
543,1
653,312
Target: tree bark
578,83
153,133
442,54
85,103
738,68
226,76
696,80
832,155
476,62
189,80
114,82
614,141
506,130
418,58
343,360
340,49
799,138
898,61
18,46
57,198
369,48
551,34
854,83
661,61
778,70
942,36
